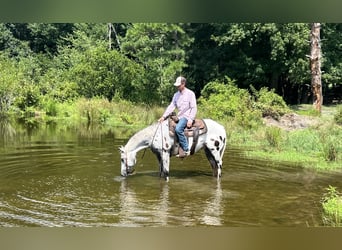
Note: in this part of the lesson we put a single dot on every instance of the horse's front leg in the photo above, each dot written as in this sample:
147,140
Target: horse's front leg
164,164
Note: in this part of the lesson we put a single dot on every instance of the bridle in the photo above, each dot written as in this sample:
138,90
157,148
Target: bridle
124,153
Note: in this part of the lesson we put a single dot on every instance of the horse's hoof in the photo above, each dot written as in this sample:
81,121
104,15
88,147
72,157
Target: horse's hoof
167,178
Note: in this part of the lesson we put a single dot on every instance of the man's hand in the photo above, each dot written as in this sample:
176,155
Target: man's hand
161,119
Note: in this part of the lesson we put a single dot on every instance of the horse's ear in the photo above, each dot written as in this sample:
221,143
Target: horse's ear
121,149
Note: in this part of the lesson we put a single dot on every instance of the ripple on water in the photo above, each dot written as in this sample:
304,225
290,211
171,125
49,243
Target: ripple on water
78,184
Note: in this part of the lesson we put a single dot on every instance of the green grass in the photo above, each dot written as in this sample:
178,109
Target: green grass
332,207
104,113
319,146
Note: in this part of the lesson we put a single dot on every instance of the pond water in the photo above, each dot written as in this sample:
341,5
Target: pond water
58,176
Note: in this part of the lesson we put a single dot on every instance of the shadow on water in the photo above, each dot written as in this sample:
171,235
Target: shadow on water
55,175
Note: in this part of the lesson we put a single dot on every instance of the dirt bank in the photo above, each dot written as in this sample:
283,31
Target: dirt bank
291,121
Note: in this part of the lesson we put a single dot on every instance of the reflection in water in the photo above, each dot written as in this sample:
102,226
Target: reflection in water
129,205
135,213
163,207
136,210
53,176
214,209
6,130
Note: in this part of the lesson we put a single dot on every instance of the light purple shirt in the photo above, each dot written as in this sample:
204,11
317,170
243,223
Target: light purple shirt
185,102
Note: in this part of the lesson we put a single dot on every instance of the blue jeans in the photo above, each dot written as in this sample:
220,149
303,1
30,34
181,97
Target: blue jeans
180,133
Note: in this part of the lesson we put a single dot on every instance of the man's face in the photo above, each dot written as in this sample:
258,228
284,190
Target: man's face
181,87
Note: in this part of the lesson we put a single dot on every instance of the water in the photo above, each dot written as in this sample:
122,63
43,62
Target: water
60,177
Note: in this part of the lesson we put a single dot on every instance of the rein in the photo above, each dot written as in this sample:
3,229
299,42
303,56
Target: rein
154,135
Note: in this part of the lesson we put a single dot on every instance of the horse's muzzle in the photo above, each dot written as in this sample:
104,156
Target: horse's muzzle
127,172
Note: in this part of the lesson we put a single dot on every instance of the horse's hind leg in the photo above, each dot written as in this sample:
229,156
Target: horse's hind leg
212,162
214,151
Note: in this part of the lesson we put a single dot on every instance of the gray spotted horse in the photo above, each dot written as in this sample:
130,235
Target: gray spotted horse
159,138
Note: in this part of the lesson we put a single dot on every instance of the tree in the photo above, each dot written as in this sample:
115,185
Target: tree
161,49
259,54
107,73
11,45
315,66
97,70
331,42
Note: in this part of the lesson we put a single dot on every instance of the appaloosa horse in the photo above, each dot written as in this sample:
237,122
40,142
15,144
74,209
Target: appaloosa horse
163,144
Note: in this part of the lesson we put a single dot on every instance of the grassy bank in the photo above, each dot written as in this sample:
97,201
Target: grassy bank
98,112
317,146
314,146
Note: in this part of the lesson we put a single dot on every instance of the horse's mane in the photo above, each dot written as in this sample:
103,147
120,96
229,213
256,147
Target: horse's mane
141,137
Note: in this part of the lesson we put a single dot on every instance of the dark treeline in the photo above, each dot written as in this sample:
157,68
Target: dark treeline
140,61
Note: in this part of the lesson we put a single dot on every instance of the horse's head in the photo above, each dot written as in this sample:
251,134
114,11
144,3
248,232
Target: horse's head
128,161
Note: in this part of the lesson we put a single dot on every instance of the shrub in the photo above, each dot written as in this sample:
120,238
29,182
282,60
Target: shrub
50,107
332,207
28,96
224,100
269,103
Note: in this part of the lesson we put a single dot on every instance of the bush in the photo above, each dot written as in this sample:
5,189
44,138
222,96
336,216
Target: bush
99,72
332,207
50,107
225,100
28,96
269,103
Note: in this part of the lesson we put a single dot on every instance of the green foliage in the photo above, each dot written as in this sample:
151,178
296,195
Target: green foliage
50,106
10,44
140,61
221,100
332,207
330,150
264,50
91,109
324,142
338,115
28,96
160,49
117,112
273,136
99,72
303,141
332,65
226,101
8,78
269,103
331,141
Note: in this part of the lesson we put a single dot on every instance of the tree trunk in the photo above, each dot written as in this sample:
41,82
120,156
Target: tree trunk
110,36
315,66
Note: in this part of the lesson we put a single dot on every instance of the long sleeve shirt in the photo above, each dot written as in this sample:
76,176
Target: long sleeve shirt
185,103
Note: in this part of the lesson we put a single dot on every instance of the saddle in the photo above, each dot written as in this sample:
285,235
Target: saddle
198,128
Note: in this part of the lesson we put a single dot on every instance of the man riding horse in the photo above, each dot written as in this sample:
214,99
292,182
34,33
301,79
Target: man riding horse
184,100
